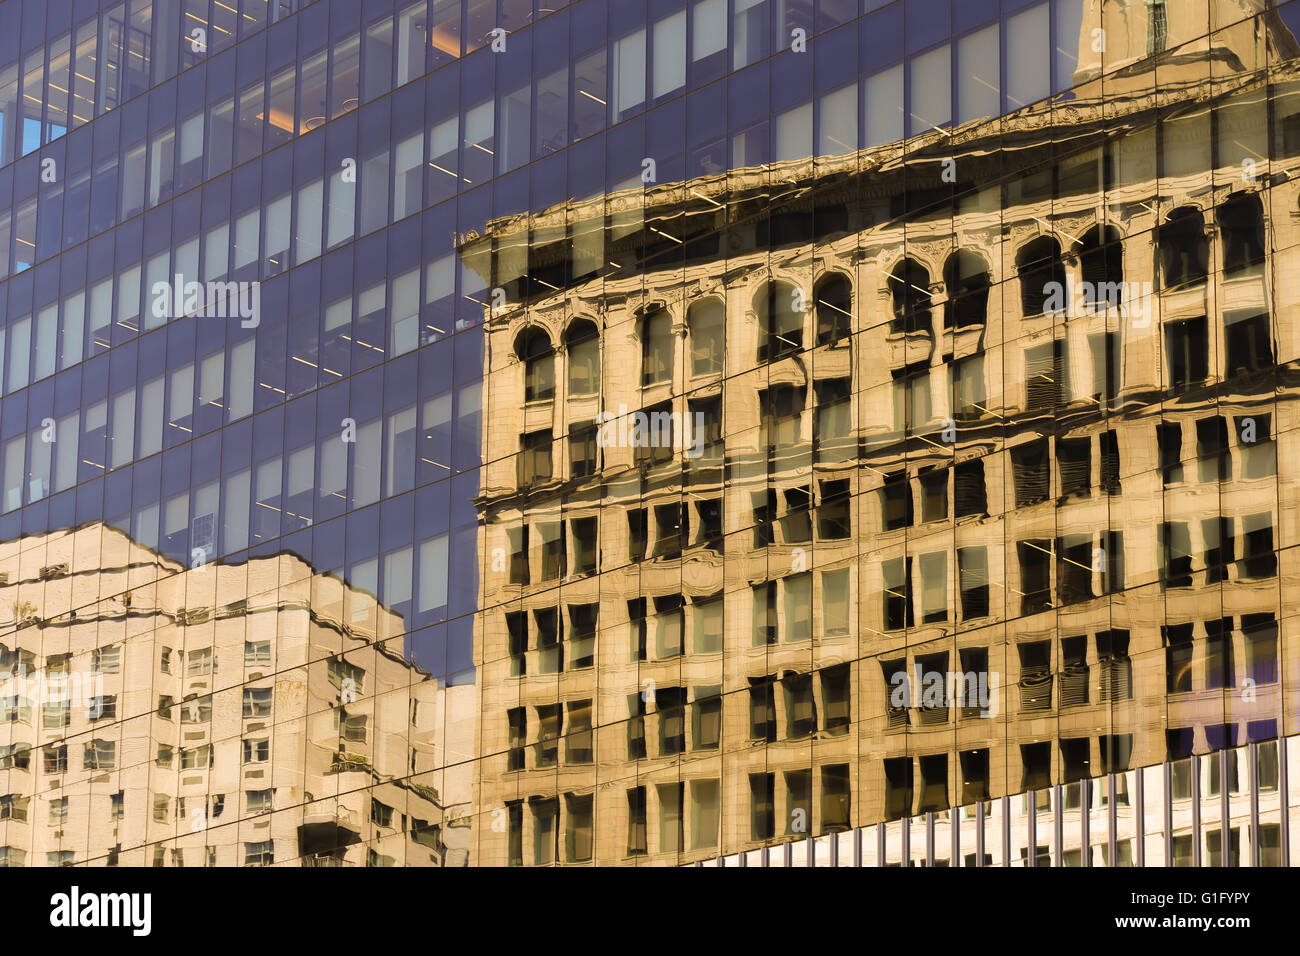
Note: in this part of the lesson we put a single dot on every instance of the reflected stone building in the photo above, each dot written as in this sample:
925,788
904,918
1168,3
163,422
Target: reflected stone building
658,442
222,715
957,524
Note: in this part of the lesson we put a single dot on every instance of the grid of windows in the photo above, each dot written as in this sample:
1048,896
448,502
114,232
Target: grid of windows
377,356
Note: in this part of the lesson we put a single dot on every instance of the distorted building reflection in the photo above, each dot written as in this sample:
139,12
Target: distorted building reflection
947,508
222,715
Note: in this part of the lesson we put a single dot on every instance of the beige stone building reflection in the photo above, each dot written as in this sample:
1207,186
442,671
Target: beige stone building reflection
1012,405
249,714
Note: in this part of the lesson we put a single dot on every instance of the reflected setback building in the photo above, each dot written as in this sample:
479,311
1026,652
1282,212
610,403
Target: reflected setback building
1014,403
226,715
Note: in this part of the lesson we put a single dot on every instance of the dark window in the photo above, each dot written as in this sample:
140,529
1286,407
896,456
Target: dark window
934,495
782,325
974,776
637,621
1261,647
582,450
1074,671
1219,548
535,457
764,515
1215,464
833,514
1169,441
1075,758
517,631
898,787
1248,343
704,433
1112,573
550,652
1074,459
582,635
637,709
1105,367
670,702
1241,222
1032,469
897,573
1108,452
800,708
1115,751
656,348
656,445
1157,28
934,783
762,803
762,708
973,580
1035,675
933,706
1042,277
835,798
515,832
1177,639
966,280
782,411
909,288
836,699
897,692
671,530
1115,666
582,348
1175,555
832,425
896,501
1184,252
1037,761
707,711
518,721
1101,259
973,686
710,525
1220,669
550,721
765,628
554,556
1046,376
636,821
834,308
707,323
1189,352
1035,575
636,534
1258,559
519,573
533,347
796,526
969,495
584,545
578,741
1073,569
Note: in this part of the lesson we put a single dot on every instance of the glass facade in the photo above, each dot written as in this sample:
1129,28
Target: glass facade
755,432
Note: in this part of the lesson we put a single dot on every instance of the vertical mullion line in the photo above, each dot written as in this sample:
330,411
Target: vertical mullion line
1196,809
1085,813
1112,820
1139,820
1252,768
1006,831
1031,829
